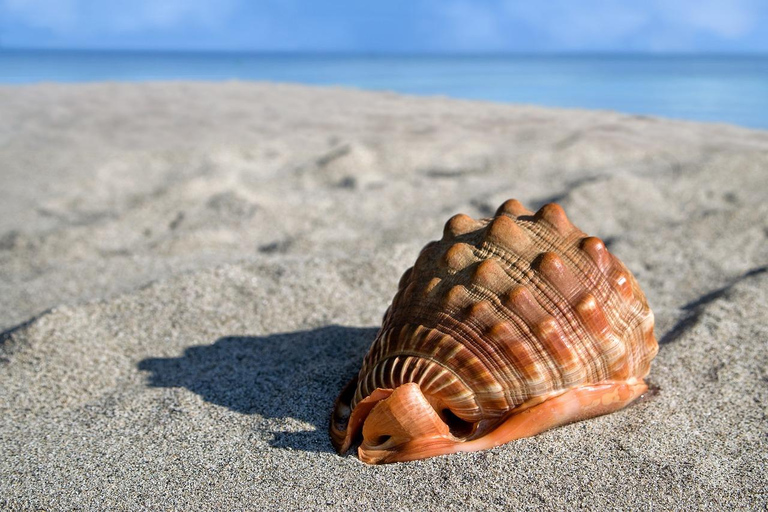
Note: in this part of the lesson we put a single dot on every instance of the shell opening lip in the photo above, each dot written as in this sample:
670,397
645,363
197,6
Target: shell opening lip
395,425
401,425
347,423
404,426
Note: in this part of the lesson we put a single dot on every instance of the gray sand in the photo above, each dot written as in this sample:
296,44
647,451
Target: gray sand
196,269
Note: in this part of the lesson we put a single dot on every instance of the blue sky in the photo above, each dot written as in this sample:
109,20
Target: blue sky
389,26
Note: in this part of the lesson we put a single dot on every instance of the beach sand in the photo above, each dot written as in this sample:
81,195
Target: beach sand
190,272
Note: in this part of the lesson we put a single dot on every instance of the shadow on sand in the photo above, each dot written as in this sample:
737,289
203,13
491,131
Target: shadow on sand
292,375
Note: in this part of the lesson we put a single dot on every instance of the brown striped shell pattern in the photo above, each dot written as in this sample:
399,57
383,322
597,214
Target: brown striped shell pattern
502,329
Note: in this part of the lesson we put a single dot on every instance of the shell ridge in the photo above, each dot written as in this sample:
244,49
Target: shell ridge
622,317
436,362
500,373
527,332
547,236
539,285
424,315
551,269
598,279
464,342
594,278
621,321
585,344
506,314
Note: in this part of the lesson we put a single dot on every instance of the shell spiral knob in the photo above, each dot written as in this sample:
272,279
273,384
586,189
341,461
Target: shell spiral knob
502,329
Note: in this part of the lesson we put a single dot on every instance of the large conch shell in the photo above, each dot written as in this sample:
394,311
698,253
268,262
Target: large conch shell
502,329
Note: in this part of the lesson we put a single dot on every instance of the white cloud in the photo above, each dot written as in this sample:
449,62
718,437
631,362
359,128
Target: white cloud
58,15
443,25
165,14
726,19
472,25
656,25
577,24
95,16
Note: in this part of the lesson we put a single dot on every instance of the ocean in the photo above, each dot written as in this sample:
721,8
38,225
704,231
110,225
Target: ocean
729,88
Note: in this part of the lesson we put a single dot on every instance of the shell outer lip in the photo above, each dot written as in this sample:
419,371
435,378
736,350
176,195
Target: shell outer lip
533,417
346,426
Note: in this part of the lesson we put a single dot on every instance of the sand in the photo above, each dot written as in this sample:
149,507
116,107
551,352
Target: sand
189,273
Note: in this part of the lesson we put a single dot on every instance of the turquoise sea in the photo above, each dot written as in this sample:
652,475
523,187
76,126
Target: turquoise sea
727,88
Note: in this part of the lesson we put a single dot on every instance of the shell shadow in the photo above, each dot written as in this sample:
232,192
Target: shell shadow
293,375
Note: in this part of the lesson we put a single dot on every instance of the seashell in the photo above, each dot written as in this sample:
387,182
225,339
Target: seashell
504,328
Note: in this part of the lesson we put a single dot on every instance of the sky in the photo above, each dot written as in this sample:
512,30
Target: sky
390,26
